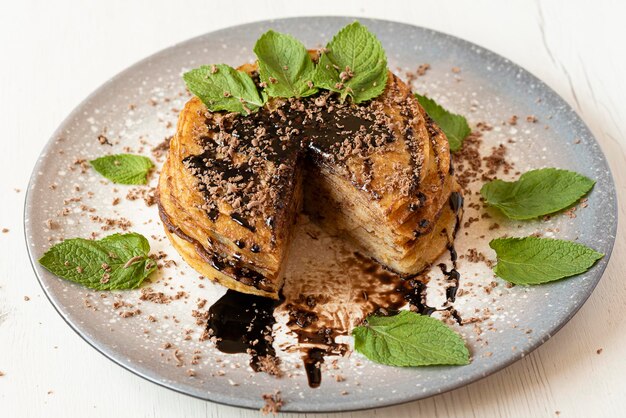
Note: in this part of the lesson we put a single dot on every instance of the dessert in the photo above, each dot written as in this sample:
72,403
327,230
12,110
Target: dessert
376,173
305,162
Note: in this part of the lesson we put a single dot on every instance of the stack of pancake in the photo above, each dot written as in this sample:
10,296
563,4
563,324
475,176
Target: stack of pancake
377,174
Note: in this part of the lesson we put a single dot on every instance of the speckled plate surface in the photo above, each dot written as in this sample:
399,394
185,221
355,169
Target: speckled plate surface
138,108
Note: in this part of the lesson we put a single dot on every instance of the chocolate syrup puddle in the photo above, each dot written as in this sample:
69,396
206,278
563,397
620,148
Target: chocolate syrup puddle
242,323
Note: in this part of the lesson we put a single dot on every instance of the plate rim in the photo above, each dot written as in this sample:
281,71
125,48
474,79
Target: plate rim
389,401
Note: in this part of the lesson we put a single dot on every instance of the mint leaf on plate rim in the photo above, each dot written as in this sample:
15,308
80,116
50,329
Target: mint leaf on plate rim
126,169
537,192
534,260
115,262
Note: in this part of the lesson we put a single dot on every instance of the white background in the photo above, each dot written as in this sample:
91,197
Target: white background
54,53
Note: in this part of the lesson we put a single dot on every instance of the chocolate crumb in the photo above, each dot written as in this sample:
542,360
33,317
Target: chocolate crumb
128,314
270,365
422,69
179,358
103,140
51,224
273,403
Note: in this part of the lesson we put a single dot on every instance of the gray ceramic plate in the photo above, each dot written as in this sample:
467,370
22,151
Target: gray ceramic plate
138,106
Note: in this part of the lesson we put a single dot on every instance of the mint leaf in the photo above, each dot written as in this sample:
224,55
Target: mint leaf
284,65
533,260
116,262
353,64
454,126
537,192
409,339
123,168
221,87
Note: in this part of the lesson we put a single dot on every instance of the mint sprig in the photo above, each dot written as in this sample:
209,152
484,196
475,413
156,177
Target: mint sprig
221,87
285,66
537,192
124,168
116,262
409,339
353,64
533,260
454,126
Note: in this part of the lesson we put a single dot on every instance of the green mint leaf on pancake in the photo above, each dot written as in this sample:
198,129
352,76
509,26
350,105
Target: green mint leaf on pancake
284,65
124,168
353,64
454,126
532,260
116,262
537,192
221,87
409,339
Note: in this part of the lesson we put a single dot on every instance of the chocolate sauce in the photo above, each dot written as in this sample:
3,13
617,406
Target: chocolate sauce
242,221
414,290
456,204
213,214
313,361
242,323
454,314
453,276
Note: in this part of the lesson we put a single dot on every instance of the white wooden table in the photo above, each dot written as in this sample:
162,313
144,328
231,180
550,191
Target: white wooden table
52,54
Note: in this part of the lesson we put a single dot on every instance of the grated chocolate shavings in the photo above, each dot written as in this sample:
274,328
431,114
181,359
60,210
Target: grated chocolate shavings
273,403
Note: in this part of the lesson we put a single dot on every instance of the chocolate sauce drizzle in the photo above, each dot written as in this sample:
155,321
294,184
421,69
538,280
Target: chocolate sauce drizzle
242,323
313,361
